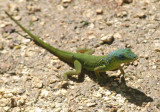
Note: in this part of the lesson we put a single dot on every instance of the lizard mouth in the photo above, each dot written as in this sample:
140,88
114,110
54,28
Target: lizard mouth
135,57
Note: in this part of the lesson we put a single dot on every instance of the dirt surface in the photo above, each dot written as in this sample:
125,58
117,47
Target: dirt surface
31,78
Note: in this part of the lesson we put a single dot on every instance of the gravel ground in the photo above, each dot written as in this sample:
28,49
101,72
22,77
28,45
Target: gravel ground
31,78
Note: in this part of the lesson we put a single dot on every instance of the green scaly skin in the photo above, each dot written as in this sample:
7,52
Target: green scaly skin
84,59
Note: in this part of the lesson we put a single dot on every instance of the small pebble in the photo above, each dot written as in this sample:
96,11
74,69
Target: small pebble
66,1
9,95
34,18
109,23
128,46
6,108
42,23
90,32
91,25
106,98
26,41
99,11
117,36
91,104
13,7
154,67
17,18
2,25
107,39
141,14
120,2
135,63
91,36
122,14
157,47
9,29
33,9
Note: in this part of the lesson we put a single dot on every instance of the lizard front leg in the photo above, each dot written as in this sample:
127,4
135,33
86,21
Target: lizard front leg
122,79
97,70
77,71
121,69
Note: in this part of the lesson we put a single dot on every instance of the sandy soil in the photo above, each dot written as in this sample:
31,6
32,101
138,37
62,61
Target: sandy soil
31,78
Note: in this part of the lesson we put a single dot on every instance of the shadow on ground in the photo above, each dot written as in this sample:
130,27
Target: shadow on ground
133,95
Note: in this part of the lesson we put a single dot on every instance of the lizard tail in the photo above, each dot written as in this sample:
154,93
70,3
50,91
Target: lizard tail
64,55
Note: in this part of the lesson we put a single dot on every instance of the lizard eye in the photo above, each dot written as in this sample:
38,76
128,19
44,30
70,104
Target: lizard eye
120,56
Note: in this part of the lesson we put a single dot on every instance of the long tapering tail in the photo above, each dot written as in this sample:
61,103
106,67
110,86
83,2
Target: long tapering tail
64,55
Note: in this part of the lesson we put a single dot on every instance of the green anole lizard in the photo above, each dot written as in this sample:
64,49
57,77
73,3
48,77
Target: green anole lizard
84,59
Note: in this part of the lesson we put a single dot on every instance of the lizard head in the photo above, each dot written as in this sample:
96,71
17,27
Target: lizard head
125,55
114,59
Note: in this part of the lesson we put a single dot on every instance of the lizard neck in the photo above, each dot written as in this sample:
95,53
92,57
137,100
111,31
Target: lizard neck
110,62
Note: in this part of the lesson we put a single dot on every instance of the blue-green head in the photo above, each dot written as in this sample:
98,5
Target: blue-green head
123,55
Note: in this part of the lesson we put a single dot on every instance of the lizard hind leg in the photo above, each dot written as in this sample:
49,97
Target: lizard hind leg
77,71
85,51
